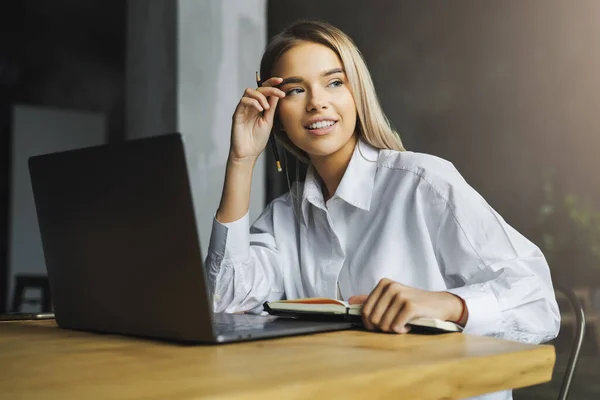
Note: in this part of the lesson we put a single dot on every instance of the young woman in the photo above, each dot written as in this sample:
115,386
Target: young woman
399,231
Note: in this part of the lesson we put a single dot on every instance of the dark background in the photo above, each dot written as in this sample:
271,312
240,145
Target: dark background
65,54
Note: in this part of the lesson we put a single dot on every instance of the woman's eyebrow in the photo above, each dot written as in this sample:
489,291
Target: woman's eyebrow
297,79
334,71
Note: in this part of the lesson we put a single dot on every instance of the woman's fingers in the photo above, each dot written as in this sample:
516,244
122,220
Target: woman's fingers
273,81
253,103
258,96
372,300
395,306
384,302
261,94
408,312
388,308
264,98
271,91
270,113
360,299
376,304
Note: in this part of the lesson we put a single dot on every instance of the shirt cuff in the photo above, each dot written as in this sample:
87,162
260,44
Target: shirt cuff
231,240
485,317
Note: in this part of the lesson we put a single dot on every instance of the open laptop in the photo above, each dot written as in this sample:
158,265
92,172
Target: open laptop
122,251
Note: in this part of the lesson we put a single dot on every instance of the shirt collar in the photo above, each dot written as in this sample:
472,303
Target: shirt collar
356,187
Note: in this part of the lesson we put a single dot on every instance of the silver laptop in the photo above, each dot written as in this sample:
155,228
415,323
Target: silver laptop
122,251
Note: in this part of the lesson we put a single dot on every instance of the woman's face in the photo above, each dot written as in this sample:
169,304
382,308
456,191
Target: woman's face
318,113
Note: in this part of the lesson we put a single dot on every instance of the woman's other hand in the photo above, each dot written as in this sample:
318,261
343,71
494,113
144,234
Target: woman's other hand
391,305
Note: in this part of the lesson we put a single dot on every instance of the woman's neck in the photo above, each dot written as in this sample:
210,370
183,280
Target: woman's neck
331,168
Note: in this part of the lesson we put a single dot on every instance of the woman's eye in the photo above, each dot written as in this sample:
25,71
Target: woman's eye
294,91
336,83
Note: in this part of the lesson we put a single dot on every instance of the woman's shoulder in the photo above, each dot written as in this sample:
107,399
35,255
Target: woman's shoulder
433,170
282,211
286,201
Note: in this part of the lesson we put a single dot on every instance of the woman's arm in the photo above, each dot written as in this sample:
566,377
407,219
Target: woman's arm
251,127
245,266
235,200
501,277
241,277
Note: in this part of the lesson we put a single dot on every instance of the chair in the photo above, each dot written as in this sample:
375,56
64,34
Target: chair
592,316
577,307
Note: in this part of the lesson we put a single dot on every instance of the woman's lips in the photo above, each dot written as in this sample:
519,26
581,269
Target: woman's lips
322,131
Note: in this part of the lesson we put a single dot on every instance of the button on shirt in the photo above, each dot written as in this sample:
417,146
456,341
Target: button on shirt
406,216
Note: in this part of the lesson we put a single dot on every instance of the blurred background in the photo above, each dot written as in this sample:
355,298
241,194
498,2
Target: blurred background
509,91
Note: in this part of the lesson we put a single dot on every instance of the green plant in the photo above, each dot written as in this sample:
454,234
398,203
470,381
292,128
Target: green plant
587,218
569,233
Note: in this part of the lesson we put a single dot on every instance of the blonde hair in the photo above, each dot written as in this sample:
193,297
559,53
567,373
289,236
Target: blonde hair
373,126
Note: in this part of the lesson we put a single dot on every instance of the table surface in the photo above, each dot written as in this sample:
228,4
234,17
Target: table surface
40,360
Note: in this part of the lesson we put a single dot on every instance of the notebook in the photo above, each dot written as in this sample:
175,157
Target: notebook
337,310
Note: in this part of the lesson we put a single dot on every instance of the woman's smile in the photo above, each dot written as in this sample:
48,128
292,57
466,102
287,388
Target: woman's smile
321,127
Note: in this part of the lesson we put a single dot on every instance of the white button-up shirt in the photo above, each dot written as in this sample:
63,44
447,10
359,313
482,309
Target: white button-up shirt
406,216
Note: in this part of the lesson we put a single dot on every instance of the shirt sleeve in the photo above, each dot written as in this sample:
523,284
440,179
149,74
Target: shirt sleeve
502,276
244,266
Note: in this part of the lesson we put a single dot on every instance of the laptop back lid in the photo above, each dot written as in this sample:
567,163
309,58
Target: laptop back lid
120,242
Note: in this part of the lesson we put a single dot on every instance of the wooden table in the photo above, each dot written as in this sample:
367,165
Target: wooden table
40,361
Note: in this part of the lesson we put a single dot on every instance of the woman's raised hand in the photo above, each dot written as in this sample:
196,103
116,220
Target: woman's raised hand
253,120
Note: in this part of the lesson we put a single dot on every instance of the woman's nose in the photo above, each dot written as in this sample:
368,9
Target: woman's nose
316,100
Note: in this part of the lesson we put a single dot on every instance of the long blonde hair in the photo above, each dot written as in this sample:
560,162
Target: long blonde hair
373,126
